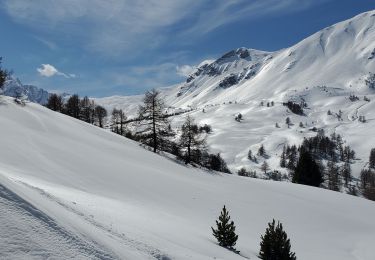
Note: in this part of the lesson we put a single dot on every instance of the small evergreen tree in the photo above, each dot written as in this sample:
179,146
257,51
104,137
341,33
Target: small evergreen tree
216,163
275,244
283,158
307,171
250,155
225,231
261,151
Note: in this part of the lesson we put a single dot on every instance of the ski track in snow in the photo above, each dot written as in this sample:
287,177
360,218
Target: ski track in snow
28,233
129,242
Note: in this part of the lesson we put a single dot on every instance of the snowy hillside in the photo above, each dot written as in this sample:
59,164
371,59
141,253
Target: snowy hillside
322,70
72,189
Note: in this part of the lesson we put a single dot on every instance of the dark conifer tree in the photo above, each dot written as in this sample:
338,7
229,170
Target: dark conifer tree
261,151
288,121
292,157
346,173
334,180
55,103
307,171
216,163
225,231
275,244
250,155
372,159
283,158
72,106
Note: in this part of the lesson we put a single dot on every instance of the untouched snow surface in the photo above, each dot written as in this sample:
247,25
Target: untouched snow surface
70,189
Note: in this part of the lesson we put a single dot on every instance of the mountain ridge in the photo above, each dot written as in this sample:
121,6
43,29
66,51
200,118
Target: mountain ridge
323,71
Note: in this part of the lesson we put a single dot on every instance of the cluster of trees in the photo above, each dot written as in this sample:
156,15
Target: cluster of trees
261,152
295,108
325,161
245,173
269,104
274,244
353,98
328,147
118,122
264,167
153,129
83,109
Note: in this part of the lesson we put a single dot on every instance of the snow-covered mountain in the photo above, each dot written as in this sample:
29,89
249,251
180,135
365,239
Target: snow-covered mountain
72,190
340,56
323,70
13,87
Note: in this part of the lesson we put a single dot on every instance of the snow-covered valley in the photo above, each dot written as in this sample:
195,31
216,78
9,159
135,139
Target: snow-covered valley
109,198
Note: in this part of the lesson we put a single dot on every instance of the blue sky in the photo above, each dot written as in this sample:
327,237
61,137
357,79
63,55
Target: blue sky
121,47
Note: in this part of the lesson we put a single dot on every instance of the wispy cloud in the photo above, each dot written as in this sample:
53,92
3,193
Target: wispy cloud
114,27
48,70
50,44
185,70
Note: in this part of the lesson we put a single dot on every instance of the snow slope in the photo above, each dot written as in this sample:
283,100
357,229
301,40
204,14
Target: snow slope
323,70
103,196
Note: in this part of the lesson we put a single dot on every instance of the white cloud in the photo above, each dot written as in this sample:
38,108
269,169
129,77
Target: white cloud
47,70
115,27
184,70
